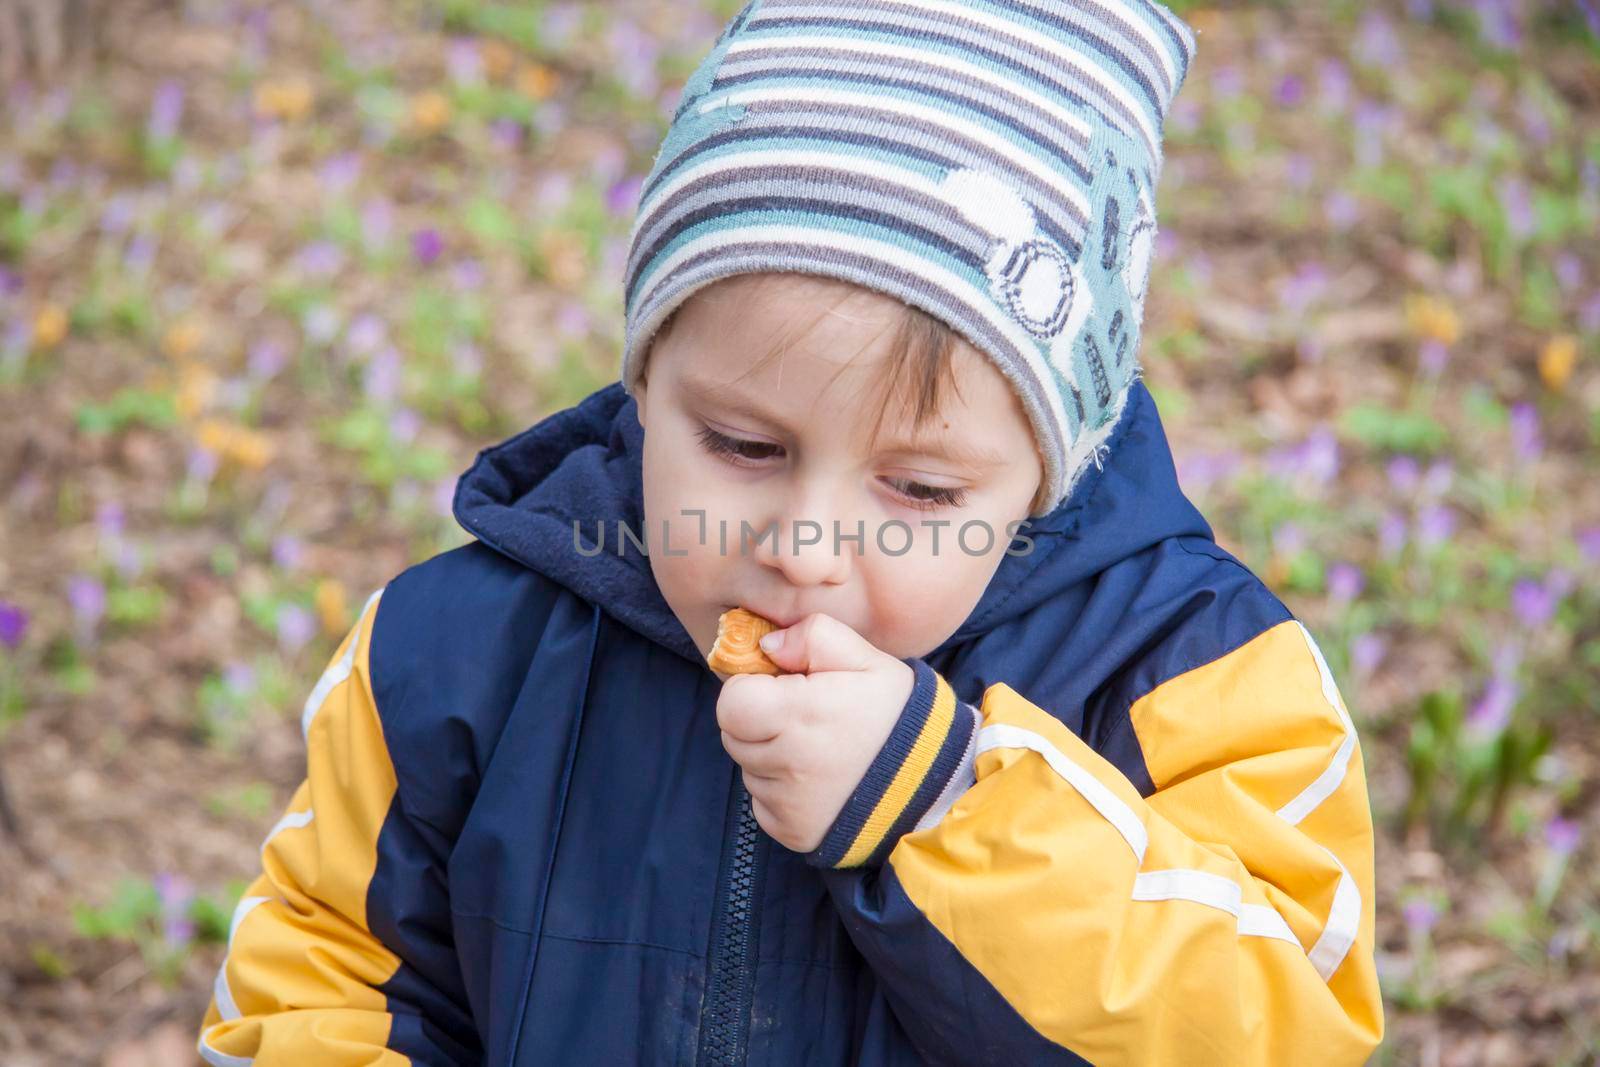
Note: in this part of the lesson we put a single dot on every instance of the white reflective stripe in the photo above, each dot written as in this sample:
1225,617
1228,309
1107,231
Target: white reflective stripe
337,672
1331,777
1344,917
960,781
290,821
221,1059
226,1007
1344,922
1102,799
245,906
224,996
1213,890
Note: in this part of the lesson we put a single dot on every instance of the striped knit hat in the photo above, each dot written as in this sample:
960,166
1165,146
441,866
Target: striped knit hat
992,162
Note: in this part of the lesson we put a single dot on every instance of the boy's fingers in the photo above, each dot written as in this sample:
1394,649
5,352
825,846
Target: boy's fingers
755,758
820,642
750,708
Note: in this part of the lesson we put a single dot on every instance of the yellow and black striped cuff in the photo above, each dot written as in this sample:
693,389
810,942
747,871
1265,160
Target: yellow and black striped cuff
908,775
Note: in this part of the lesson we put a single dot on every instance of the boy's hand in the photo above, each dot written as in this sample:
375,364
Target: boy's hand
805,740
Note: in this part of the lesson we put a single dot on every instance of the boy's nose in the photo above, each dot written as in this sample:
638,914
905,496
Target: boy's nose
806,551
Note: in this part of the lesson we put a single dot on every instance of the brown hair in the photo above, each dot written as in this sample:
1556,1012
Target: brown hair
919,364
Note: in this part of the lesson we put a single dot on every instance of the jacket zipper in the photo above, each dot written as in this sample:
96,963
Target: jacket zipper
725,1019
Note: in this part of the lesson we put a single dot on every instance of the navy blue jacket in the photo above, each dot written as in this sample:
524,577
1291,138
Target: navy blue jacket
1142,835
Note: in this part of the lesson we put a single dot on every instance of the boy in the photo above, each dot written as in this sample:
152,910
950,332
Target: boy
1046,776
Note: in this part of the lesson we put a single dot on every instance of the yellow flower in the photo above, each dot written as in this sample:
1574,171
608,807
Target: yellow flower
537,81
183,337
332,607
564,258
196,386
49,326
285,98
238,444
498,57
1556,361
1433,319
430,111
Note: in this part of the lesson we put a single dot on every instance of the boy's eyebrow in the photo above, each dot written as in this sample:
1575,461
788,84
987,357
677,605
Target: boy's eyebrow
734,400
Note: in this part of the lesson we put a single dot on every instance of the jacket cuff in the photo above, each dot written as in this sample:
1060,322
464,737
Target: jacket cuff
926,759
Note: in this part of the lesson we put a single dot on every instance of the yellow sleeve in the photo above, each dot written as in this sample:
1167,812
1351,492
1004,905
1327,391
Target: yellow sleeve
301,980
1226,918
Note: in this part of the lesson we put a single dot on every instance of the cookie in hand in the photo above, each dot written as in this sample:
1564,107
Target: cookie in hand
737,649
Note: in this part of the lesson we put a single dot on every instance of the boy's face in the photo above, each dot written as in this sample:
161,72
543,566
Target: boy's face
799,427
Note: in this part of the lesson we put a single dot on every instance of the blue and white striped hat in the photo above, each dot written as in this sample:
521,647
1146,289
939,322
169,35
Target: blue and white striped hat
992,162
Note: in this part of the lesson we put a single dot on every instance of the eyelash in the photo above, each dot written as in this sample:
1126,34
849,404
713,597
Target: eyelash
730,448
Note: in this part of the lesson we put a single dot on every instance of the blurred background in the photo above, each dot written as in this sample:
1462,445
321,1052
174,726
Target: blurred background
272,272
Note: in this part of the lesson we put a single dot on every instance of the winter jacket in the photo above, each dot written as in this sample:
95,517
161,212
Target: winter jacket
1123,818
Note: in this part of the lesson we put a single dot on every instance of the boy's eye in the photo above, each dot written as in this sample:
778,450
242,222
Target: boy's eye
720,444
916,494
928,497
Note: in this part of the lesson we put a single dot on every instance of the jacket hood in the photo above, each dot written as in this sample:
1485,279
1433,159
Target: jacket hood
583,465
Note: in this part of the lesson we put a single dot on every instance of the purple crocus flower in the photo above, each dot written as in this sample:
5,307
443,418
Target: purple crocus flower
1366,653
1499,25
340,172
623,196
239,678
1333,87
1492,713
266,359
320,259
553,191
1341,210
377,223
140,254
13,625
1526,439
10,282
427,245
110,520
1290,91
507,133
467,275
1437,481
166,111
202,465
1533,602
1404,473
287,552
366,335
1288,539
1377,43
176,894
1345,582
1392,534
1420,915
1514,197
321,323
1433,355
1569,271
1561,835
296,627
1420,10
87,597
118,214
464,61
404,424
382,379
1435,524
572,320
1227,81
560,23
444,496
1589,543
1589,314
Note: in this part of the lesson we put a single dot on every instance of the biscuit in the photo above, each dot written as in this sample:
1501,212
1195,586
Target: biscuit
737,649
